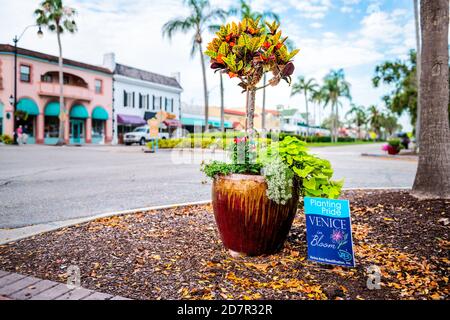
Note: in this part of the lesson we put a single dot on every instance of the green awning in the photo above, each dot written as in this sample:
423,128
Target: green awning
28,106
201,122
79,111
99,113
52,109
1,110
192,122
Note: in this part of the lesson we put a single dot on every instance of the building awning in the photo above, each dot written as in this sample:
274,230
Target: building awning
201,122
216,123
192,122
130,119
1,110
52,109
79,111
28,106
99,113
172,123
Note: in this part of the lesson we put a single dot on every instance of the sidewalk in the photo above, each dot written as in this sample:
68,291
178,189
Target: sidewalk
14,286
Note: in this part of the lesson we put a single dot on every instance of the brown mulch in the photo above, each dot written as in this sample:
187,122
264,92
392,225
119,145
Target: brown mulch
177,254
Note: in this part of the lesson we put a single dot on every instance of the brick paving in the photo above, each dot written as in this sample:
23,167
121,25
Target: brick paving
14,286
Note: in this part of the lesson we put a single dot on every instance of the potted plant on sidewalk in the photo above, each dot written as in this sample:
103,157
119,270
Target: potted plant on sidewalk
394,146
255,194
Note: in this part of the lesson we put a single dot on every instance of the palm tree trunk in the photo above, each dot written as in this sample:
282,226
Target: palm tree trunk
263,112
205,87
222,105
307,114
333,123
62,106
433,172
336,137
418,69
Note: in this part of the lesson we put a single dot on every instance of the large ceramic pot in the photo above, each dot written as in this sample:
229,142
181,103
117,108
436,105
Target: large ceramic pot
392,150
248,221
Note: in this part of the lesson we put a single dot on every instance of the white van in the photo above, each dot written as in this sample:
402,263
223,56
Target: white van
141,135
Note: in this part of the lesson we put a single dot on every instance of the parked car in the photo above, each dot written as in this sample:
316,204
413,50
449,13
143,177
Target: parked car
141,135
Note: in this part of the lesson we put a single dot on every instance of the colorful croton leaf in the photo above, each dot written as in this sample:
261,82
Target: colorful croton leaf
248,49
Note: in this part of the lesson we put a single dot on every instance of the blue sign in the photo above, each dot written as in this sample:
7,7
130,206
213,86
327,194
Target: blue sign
329,231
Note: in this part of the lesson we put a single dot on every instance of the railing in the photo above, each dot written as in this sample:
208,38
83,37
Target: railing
70,91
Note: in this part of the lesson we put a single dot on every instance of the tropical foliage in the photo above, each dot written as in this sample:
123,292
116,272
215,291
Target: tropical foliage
201,17
246,50
334,88
285,164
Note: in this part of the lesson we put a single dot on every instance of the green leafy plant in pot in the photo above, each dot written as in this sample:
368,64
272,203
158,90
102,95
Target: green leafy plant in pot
255,194
394,146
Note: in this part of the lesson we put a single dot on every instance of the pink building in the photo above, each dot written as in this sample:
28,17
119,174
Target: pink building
87,96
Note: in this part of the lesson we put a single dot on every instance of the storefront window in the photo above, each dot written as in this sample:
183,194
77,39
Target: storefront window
51,128
98,128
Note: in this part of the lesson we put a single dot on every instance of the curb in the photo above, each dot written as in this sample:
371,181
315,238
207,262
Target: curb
34,230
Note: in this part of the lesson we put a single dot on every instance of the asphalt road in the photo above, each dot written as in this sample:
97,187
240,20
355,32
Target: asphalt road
40,184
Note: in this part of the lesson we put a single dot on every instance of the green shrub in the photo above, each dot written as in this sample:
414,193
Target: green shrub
285,165
6,139
395,142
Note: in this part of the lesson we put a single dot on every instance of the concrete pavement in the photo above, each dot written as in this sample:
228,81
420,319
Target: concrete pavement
45,184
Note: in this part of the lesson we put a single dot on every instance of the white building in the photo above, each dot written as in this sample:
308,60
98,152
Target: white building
293,121
138,95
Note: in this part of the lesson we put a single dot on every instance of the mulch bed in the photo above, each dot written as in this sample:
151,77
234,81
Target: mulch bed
177,254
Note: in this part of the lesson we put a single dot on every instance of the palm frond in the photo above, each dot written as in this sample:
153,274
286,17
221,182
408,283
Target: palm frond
177,25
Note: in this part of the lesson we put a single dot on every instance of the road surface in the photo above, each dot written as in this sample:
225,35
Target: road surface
41,184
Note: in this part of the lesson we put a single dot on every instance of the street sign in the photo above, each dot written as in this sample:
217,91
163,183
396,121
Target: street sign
329,231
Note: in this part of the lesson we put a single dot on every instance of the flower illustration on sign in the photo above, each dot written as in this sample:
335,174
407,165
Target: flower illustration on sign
339,237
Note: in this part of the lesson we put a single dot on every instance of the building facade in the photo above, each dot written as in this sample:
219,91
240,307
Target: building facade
293,121
87,98
234,119
138,95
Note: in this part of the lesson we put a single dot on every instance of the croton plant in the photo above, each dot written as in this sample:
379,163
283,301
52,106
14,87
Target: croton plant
249,49
246,50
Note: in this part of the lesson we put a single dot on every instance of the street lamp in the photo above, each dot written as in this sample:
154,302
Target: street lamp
16,40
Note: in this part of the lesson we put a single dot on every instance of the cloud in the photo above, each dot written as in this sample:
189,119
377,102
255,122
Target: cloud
312,9
346,9
316,25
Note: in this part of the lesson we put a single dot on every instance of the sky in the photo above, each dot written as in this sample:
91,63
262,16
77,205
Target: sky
355,35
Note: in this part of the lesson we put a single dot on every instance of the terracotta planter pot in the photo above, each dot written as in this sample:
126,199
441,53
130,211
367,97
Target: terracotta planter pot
248,222
392,150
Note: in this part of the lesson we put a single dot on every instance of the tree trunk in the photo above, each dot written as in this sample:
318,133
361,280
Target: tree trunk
205,87
222,105
250,110
433,172
263,112
336,137
418,69
307,113
62,106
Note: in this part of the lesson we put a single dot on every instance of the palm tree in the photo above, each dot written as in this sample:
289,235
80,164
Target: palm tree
245,11
58,18
200,16
318,99
375,119
305,87
433,170
334,88
359,117
390,123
